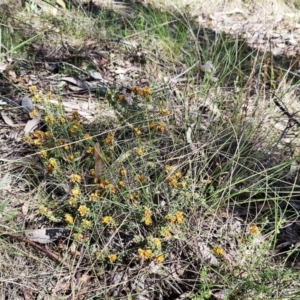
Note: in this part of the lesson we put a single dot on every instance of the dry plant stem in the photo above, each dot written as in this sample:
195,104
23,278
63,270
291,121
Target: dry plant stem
74,271
35,245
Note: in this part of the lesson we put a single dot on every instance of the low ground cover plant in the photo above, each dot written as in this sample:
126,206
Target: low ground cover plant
187,189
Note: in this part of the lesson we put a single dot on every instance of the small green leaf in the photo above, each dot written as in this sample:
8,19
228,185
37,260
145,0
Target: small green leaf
3,206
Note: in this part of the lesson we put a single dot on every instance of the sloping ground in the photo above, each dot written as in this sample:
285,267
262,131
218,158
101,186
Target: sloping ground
264,25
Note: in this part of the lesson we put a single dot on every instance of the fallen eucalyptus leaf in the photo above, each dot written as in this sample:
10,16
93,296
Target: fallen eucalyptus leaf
8,120
31,125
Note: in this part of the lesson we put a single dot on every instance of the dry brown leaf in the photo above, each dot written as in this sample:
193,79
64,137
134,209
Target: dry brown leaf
99,164
25,207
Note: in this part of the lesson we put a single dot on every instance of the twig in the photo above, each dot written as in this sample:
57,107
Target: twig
34,245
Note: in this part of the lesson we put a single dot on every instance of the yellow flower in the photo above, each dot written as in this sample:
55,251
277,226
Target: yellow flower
148,253
67,147
217,250
148,221
171,218
38,134
183,184
156,242
168,168
72,201
123,172
136,90
137,131
52,162
165,232
37,142
179,217
33,89
92,172
145,254
147,216
48,134
254,230
112,257
43,153
164,112
160,258
78,237
75,192
75,178
146,91
94,196
139,151
83,210
43,210
141,253
87,136
35,98
109,138
121,183
34,114
69,219
147,211
172,182
85,223
71,157
177,175
90,150
61,120
49,119
141,179
161,127
107,219
152,126
73,128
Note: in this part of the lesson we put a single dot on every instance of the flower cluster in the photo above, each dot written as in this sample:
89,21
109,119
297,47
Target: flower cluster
147,216
106,186
175,218
217,250
158,127
152,250
254,230
174,180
